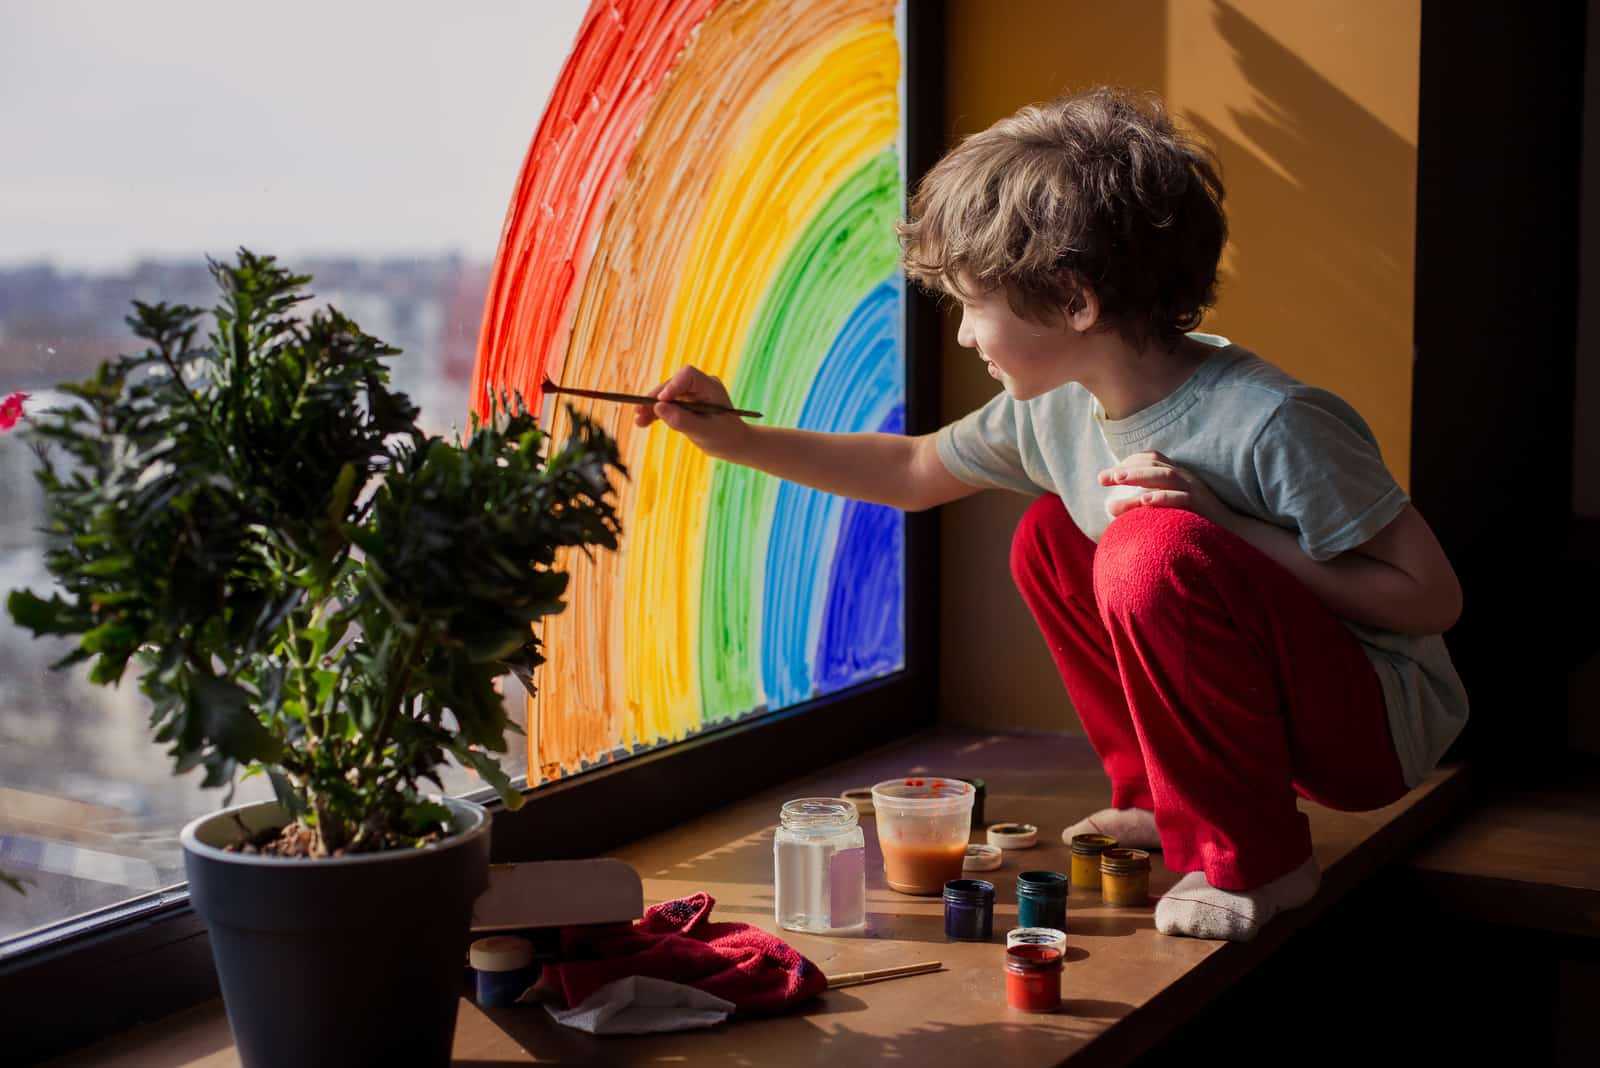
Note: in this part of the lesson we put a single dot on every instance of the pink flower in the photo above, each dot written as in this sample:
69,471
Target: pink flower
11,410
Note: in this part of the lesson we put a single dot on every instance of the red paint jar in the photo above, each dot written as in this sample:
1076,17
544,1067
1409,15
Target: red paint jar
1033,978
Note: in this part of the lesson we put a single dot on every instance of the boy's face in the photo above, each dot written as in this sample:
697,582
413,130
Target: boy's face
1028,358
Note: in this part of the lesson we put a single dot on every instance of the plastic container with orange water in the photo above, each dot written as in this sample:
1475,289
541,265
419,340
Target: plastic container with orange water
923,827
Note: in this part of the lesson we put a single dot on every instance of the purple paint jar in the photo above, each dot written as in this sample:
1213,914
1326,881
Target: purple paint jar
969,910
502,968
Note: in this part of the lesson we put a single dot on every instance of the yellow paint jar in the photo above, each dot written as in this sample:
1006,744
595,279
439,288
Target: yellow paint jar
1086,850
1125,877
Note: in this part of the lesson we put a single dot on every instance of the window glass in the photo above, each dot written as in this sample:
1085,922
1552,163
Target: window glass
371,145
506,191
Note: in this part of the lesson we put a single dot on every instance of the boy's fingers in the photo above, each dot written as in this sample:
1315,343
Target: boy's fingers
1143,476
681,382
1122,504
671,414
644,414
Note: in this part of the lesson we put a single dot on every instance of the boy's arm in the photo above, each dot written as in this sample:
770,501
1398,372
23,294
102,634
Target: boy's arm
1399,580
893,469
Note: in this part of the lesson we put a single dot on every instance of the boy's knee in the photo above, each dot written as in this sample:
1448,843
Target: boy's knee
1040,526
1142,552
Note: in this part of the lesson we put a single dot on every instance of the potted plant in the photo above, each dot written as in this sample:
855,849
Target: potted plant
313,589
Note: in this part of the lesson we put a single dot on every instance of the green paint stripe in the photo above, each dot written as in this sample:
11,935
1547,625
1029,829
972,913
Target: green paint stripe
843,252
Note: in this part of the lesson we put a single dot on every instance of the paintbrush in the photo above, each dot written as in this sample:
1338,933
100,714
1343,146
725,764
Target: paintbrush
698,407
874,974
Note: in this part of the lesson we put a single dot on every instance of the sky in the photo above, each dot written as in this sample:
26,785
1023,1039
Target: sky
171,128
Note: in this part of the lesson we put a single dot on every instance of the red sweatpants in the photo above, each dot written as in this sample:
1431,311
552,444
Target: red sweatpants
1212,684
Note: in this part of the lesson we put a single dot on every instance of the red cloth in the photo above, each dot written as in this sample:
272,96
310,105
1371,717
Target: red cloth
1212,683
677,941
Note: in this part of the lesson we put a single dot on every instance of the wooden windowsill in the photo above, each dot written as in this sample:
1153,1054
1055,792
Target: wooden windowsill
1125,985
1522,857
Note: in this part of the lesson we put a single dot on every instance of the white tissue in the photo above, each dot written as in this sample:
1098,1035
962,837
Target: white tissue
639,1005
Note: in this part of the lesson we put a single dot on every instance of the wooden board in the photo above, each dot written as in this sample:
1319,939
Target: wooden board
1525,858
1125,984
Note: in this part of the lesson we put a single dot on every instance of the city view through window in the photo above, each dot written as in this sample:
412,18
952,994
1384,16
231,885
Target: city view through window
373,145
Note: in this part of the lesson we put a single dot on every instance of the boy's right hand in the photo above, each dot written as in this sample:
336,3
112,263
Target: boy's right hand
717,435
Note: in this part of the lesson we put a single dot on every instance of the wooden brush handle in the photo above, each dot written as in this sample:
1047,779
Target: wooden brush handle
874,974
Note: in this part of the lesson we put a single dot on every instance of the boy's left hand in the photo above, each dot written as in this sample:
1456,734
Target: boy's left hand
1167,486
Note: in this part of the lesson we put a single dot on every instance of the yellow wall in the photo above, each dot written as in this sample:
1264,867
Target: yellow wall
1312,109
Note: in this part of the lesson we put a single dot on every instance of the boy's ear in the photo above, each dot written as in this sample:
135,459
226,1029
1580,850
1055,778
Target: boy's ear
1083,309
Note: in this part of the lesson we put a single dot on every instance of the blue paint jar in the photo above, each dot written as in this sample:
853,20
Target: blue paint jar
1042,899
968,910
503,968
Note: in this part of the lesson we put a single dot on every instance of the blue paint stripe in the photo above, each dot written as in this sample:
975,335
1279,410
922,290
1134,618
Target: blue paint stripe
861,382
864,623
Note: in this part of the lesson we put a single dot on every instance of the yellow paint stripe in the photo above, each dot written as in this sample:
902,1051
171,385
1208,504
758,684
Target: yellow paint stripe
833,110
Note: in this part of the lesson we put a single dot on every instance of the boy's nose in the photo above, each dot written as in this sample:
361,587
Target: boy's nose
964,335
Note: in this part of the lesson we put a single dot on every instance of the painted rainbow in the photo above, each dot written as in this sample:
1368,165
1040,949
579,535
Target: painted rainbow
713,182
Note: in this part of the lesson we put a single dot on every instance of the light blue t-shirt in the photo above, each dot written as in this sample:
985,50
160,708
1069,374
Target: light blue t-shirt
1270,447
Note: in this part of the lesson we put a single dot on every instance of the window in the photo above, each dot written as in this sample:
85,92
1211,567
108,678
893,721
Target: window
378,147
359,149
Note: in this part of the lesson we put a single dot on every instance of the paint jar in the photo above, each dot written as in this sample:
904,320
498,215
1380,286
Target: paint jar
969,910
923,827
1086,850
819,866
1042,899
1033,978
1125,877
502,968
1037,936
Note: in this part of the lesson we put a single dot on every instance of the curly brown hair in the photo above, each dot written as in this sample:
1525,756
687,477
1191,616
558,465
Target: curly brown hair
1094,189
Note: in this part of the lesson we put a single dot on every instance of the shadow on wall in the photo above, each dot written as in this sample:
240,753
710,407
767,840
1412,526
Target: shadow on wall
1321,205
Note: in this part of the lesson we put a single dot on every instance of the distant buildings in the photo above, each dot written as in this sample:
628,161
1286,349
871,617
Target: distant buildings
57,325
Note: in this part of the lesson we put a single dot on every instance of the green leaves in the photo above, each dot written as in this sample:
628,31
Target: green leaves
307,581
225,712
54,616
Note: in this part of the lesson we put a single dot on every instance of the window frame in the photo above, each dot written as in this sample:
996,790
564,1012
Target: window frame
86,978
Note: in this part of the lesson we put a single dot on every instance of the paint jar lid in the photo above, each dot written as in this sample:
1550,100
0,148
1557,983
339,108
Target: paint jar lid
1041,884
861,797
981,857
1092,845
500,953
1124,861
1037,936
1013,835
969,892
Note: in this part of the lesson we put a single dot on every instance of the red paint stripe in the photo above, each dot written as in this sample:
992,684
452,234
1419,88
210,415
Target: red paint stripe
578,154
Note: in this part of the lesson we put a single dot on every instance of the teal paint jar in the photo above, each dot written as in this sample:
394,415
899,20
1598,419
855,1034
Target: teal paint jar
1042,899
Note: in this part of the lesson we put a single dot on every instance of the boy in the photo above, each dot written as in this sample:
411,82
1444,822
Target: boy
1242,603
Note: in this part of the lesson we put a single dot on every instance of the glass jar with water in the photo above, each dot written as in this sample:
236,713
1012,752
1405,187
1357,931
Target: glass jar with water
819,867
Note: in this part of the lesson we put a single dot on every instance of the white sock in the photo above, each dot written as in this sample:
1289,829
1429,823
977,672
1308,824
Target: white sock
1134,827
1195,908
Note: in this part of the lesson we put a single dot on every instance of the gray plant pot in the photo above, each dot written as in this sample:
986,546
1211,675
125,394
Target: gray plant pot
340,961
